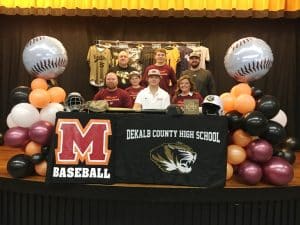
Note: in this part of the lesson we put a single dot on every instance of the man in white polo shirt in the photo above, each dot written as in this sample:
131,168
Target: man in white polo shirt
152,97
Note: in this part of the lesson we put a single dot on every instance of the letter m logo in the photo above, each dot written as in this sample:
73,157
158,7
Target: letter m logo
88,144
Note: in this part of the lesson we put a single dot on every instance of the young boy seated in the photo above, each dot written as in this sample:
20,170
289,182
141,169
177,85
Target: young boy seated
134,79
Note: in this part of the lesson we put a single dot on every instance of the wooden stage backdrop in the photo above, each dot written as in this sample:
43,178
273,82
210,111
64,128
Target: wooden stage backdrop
31,201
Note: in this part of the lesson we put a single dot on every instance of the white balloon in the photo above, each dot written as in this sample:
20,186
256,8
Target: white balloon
248,59
45,57
24,115
280,118
48,113
10,123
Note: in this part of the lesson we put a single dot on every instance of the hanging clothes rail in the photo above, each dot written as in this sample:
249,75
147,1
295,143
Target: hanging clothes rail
146,43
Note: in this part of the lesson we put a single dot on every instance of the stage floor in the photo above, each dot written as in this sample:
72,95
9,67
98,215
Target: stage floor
7,152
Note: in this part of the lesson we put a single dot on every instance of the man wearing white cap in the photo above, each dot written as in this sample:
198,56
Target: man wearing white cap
152,97
203,79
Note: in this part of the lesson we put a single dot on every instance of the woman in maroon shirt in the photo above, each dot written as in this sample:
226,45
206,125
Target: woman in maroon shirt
185,90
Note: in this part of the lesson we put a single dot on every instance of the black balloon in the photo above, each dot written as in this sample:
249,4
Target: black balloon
256,93
286,154
37,158
235,120
1,139
19,94
20,166
255,123
274,133
45,149
268,105
292,143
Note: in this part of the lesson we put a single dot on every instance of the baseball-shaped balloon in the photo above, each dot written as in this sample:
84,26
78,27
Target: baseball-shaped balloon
45,57
248,59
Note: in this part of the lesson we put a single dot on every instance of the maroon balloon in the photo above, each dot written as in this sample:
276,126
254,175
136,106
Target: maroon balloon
16,137
259,150
249,172
41,132
278,171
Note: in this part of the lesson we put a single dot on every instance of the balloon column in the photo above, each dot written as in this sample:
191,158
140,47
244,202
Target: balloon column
32,117
259,150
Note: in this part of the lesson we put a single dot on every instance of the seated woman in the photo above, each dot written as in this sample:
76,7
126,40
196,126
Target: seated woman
185,90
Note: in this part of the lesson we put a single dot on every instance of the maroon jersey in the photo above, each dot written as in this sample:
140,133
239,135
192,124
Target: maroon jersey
133,92
117,98
179,99
167,77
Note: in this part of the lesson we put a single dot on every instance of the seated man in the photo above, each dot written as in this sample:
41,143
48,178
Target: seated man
115,97
152,97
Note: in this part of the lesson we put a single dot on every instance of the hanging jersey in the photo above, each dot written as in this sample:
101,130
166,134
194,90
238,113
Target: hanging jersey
173,57
99,61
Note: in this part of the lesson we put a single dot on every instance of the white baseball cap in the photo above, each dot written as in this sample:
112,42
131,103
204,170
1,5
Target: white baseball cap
154,72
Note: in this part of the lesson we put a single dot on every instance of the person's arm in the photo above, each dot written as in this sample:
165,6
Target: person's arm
211,84
137,106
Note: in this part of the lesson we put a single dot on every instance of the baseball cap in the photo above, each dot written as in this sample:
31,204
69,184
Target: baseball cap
194,54
134,73
153,72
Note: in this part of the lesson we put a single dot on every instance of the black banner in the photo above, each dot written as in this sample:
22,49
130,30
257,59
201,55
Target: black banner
139,148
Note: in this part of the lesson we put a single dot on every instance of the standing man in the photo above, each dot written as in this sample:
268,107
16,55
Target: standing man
152,97
202,78
115,97
122,69
168,77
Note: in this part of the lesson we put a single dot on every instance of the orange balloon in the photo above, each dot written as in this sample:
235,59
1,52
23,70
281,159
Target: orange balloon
229,171
235,154
241,138
241,88
39,98
244,103
39,83
57,94
228,101
32,148
41,168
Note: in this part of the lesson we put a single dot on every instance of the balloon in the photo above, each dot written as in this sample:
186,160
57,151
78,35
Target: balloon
235,120
235,154
248,59
249,172
241,88
20,166
16,137
37,158
259,151
24,114
292,143
19,94
41,168
49,112
45,57
256,93
244,103
39,83
228,101
57,94
286,154
280,118
10,123
39,98
41,132
255,123
274,133
241,138
278,171
229,171
32,148
268,105
45,149
1,139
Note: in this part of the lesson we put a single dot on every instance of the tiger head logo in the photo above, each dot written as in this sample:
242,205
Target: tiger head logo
174,157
